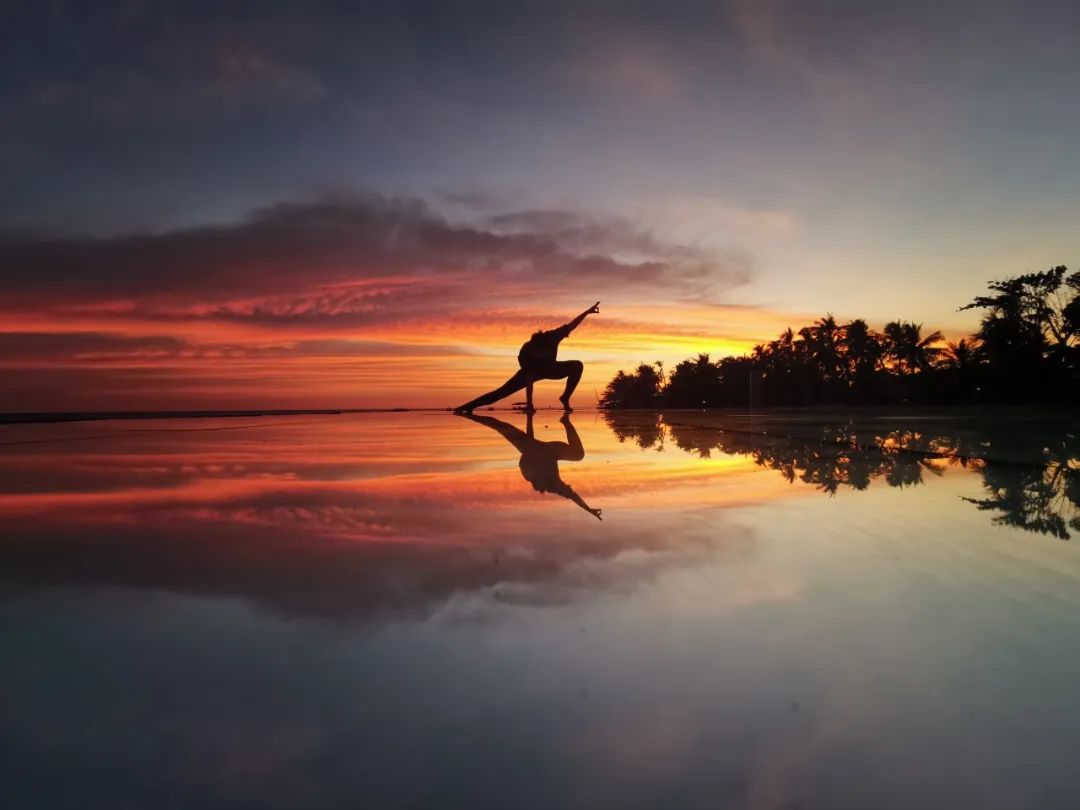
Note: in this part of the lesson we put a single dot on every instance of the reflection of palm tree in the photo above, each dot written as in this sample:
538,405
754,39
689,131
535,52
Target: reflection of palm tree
539,462
645,429
1032,476
1033,498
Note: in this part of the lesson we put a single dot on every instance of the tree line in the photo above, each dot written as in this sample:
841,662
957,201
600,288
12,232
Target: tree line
1026,350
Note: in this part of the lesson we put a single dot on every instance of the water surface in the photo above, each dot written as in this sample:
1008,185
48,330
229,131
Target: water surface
409,610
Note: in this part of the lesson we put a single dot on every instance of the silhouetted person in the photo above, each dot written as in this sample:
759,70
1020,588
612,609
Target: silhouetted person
539,462
537,361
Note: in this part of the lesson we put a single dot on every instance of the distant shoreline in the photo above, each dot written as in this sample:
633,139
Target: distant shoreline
804,411
56,417
96,416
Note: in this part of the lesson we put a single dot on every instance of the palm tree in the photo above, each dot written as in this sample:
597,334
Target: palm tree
827,337
638,390
694,384
924,352
896,345
786,342
961,355
909,350
862,354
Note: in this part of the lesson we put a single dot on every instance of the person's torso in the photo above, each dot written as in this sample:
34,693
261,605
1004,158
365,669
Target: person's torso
541,470
539,350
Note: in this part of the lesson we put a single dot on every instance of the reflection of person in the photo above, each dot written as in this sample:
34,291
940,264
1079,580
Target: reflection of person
537,361
539,463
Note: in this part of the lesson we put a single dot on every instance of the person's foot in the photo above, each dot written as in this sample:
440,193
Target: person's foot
566,404
528,409
463,409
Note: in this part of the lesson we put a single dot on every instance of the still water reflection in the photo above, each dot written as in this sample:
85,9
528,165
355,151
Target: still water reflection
379,611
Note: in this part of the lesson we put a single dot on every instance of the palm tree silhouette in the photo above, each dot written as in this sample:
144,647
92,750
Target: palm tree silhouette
1027,349
909,349
961,354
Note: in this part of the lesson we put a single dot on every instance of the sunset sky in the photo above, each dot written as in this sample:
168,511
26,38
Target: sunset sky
373,204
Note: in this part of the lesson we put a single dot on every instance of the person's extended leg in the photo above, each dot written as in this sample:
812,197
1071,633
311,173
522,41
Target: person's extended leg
515,383
571,370
571,449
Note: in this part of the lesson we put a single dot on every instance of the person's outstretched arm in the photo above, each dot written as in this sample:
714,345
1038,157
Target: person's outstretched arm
567,328
567,492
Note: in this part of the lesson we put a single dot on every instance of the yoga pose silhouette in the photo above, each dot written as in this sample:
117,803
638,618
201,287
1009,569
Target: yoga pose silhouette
537,361
539,462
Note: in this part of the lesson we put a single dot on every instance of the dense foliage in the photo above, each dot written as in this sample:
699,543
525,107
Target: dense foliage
1027,349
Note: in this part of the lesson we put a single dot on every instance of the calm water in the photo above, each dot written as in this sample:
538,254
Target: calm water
416,611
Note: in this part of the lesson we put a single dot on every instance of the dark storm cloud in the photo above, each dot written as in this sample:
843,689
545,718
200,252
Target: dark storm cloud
29,346
345,258
123,113
618,237
126,113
